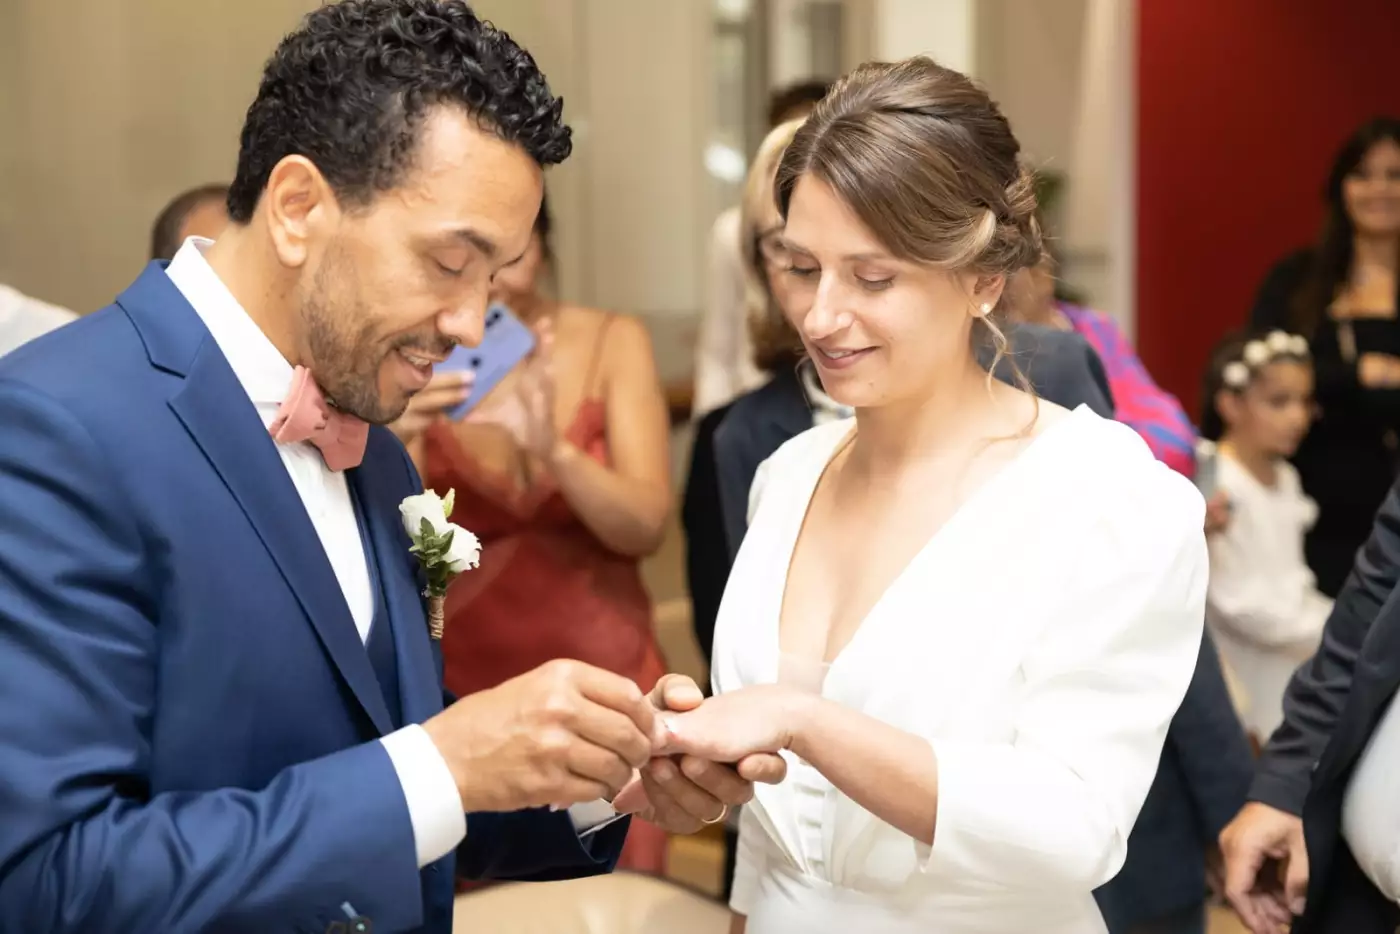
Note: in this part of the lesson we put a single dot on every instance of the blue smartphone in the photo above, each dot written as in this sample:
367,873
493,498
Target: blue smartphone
506,341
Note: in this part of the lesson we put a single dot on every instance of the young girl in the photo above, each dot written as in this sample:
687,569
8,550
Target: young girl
1263,604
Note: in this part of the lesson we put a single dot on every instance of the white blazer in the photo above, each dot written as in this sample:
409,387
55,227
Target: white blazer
1041,641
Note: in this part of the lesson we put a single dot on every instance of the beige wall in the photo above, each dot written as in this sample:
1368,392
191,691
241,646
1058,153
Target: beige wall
1062,73
634,204
113,107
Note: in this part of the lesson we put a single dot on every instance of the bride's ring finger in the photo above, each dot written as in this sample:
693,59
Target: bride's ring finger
686,796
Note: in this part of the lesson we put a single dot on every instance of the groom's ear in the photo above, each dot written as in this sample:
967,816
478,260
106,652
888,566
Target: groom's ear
299,208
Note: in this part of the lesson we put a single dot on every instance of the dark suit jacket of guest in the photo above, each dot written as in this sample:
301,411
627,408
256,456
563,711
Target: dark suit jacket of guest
1330,710
707,552
1201,783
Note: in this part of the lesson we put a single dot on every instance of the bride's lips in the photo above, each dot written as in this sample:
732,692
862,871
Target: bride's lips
840,358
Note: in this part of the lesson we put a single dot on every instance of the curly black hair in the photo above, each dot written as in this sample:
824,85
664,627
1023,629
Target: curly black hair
350,87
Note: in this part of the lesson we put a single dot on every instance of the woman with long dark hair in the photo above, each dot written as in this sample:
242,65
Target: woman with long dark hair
1342,296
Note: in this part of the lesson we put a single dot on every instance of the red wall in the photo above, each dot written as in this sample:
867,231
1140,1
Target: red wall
1241,106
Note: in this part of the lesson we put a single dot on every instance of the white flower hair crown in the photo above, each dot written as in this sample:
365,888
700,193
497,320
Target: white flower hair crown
1259,353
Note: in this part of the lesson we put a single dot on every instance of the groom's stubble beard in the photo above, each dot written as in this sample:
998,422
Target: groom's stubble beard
345,358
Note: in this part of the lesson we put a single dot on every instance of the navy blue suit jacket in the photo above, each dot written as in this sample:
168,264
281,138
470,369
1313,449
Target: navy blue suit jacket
189,715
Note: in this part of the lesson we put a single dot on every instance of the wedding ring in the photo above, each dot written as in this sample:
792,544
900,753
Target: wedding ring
723,813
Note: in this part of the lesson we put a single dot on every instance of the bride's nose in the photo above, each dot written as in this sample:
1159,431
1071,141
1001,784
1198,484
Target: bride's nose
829,314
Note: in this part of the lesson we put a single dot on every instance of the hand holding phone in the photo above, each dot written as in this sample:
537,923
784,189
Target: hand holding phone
446,390
506,341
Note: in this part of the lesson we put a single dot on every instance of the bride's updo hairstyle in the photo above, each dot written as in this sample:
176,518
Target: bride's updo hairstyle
928,163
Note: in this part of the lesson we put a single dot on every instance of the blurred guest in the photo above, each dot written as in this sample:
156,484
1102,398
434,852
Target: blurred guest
1342,296
199,212
1139,402
724,366
1263,605
23,318
562,472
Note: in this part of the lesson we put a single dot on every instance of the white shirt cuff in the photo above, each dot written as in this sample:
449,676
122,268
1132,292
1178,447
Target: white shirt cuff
434,804
592,816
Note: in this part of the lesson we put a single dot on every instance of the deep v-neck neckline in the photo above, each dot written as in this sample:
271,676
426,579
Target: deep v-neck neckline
957,517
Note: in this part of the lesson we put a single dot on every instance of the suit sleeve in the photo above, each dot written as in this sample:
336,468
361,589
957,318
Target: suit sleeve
536,846
707,548
1062,368
84,844
1320,688
735,467
1107,405
1210,745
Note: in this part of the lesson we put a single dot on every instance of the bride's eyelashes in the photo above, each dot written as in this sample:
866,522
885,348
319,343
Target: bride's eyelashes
811,272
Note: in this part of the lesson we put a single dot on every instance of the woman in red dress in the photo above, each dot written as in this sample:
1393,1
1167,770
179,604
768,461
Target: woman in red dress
563,474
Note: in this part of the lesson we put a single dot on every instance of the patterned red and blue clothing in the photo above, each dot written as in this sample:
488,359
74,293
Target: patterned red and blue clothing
1138,402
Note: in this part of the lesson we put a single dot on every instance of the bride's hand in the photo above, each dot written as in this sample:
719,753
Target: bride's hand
731,726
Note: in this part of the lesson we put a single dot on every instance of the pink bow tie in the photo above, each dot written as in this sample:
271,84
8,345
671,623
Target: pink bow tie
306,416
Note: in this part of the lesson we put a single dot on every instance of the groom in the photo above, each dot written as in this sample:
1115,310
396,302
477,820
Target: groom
220,705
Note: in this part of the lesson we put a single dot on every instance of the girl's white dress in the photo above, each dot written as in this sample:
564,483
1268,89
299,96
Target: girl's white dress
1263,606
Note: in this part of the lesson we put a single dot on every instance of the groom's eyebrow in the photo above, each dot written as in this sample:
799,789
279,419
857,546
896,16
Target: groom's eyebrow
484,244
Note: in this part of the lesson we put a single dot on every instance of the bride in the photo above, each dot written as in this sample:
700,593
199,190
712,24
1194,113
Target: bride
966,617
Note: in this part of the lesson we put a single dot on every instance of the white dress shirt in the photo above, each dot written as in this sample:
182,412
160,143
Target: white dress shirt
23,318
824,408
1371,809
434,805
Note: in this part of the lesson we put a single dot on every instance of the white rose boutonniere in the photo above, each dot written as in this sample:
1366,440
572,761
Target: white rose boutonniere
444,550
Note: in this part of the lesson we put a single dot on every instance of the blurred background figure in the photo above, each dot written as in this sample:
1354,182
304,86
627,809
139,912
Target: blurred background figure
724,355
1263,605
791,400
199,212
1137,400
1341,296
23,318
563,473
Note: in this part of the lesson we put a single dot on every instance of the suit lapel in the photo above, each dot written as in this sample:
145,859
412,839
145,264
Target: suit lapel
790,412
375,484
215,410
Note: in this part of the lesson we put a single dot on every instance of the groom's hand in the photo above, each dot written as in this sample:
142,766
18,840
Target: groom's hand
682,793
561,734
